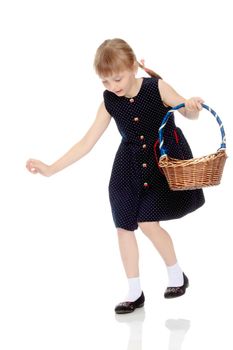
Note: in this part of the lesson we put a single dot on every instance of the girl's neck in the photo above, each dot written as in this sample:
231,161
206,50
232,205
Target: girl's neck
134,90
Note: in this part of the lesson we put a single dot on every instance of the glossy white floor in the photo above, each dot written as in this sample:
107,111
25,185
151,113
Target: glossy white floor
60,269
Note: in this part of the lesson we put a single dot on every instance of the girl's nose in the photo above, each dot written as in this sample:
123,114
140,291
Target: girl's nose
114,88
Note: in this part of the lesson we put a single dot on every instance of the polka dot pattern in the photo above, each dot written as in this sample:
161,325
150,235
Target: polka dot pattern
138,190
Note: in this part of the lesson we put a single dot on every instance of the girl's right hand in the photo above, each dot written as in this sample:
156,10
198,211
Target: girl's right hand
36,166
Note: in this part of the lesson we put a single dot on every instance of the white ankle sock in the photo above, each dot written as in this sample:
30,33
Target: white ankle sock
134,289
175,276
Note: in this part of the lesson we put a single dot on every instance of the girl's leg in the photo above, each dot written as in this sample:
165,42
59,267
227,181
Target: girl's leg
130,259
161,240
163,243
129,252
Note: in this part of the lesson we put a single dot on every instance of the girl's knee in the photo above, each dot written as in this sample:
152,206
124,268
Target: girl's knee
149,226
122,231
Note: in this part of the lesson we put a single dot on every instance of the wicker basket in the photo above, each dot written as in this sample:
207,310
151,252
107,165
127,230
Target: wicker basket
190,174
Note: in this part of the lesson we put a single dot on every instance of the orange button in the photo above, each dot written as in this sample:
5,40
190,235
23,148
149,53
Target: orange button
136,119
144,145
144,165
142,137
131,100
145,184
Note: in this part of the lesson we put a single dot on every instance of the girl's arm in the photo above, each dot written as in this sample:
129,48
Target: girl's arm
171,98
79,150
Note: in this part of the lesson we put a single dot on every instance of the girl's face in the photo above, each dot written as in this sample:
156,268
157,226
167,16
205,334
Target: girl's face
120,83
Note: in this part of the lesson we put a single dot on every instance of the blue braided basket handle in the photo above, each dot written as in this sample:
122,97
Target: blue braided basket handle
169,113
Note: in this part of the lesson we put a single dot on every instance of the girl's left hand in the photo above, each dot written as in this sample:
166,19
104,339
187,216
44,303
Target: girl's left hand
194,104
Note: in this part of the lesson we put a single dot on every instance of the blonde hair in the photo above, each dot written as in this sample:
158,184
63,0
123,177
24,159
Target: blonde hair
115,55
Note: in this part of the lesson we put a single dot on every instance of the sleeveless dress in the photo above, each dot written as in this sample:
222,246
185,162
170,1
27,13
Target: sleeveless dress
138,189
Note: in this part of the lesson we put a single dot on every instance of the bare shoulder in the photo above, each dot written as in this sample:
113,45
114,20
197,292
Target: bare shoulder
163,87
102,112
98,126
166,90
102,119
168,94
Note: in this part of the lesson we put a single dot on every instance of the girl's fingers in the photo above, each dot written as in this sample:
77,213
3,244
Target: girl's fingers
31,166
36,166
28,165
194,104
190,105
33,170
199,103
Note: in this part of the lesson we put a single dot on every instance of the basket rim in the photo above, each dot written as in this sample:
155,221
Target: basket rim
166,161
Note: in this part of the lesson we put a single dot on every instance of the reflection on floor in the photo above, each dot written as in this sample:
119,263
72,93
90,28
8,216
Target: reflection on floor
177,327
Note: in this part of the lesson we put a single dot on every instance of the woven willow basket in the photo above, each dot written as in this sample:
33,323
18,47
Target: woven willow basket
190,174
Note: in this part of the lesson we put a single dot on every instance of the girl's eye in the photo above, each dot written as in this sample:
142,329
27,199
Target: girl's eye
118,79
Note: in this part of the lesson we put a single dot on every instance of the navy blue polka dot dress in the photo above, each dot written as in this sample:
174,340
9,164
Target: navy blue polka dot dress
138,189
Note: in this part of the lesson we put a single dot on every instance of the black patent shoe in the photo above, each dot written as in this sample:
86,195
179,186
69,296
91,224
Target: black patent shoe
174,292
129,306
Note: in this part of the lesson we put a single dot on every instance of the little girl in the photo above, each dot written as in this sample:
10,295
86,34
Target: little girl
138,191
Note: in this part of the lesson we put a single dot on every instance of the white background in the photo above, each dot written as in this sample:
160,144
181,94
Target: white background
60,268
